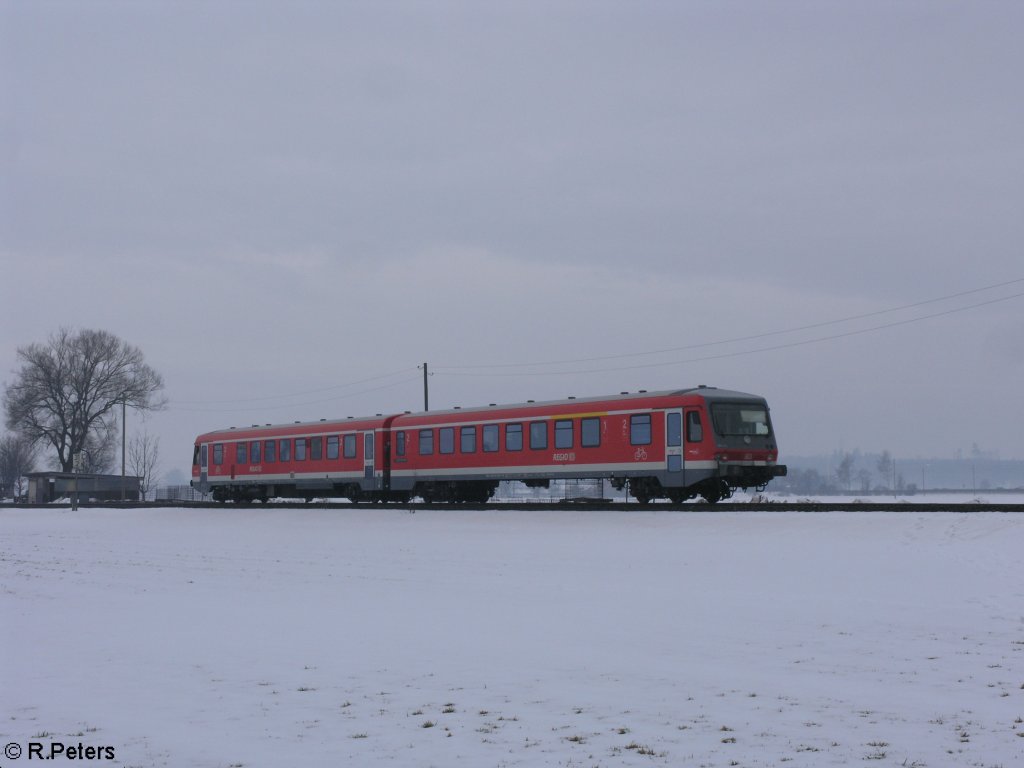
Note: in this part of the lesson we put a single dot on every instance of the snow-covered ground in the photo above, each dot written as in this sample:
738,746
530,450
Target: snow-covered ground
281,637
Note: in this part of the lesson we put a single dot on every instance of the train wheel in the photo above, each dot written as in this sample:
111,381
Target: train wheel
715,491
643,489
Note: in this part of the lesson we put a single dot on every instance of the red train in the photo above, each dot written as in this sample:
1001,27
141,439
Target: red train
676,445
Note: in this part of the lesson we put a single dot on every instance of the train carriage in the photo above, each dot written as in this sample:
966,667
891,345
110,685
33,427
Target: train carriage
673,444
300,460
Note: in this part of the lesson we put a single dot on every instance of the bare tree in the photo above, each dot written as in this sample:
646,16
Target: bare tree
17,459
67,389
845,470
100,449
144,460
885,468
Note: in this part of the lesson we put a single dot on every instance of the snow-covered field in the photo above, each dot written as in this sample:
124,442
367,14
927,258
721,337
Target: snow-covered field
280,637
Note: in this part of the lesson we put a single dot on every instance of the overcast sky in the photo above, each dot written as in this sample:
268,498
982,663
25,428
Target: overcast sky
278,201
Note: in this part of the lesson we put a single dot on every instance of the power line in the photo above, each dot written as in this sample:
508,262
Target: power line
297,405
294,394
741,353
449,368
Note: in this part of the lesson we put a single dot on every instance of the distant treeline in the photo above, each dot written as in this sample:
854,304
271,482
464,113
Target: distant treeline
857,472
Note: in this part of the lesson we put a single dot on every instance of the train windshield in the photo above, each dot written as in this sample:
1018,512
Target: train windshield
740,419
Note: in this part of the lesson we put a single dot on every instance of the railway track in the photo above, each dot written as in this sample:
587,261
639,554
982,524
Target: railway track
588,505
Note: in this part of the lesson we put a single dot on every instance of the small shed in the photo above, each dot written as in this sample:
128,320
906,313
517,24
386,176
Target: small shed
46,487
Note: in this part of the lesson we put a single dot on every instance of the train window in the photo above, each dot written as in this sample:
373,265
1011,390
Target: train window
563,433
254,452
286,450
269,454
467,439
490,441
426,442
446,440
241,453
694,429
349,449
300,449
332,447
640,429
316,448
737,419
218,453
195,457
400,443
538,435
590,432
674,429
514,437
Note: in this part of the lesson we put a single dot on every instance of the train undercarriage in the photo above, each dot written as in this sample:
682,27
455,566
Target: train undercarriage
712,489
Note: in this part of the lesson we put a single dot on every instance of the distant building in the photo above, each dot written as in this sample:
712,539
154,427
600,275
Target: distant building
45,487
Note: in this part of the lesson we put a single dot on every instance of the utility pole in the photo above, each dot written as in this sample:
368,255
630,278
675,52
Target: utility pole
426,394
124,493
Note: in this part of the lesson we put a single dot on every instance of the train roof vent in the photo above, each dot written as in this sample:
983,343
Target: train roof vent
296,422
323,419
572,397
642,391
529,401
348,417
380,414
702,386
458,407
234,427
255,425
267,424
623,393
492,404
408,411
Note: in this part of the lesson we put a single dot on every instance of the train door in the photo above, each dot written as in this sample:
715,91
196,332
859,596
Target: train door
695,450
674,440
368,455
204,468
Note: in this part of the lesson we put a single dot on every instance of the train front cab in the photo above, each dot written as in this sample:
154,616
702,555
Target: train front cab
714,444
740,434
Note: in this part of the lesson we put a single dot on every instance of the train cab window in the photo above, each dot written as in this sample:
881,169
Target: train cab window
740,419
563,433
490,441
218,454
195,457
286,450
514,437
590,432
467,439
446,440
300,449
241,453
349,449
694,428
400,443
254,451
203,456
640,429
316,448
426,442
538,435
332,447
